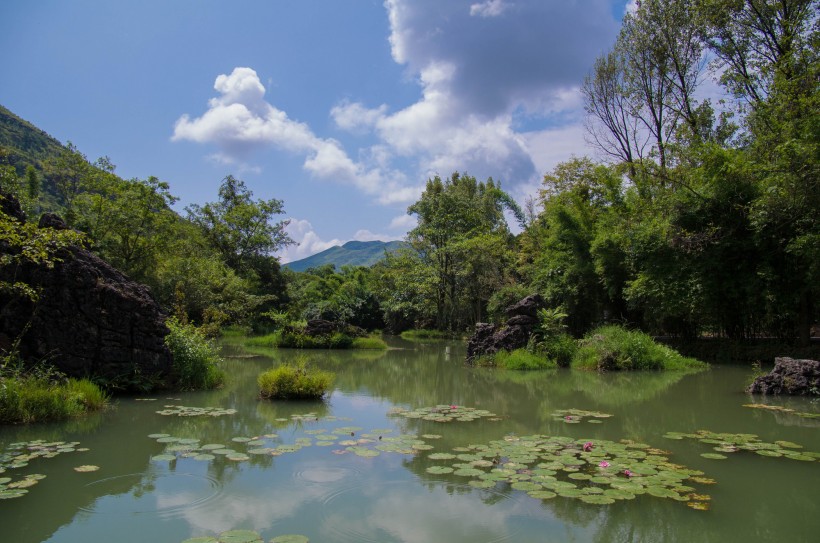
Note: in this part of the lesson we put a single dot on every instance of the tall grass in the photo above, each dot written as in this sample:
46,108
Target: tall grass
522,359
195,359
289,382
296,340
428,334
40,397
615,348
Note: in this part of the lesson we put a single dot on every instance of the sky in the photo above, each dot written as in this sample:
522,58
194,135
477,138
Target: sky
342,109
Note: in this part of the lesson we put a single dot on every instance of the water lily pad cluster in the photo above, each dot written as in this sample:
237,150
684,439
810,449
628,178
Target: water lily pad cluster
782,409
592,471
732,443
574,416
186,411
444,413
241,448
246,536
18,455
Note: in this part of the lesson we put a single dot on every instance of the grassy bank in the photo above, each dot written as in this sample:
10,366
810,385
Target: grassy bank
41,397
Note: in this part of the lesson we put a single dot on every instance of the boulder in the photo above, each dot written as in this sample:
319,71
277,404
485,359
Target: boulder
514,334
320,327
528,306
89,320
789,376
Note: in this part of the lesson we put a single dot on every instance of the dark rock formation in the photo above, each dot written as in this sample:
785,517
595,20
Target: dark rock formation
89,320
488,339
320,327
789,376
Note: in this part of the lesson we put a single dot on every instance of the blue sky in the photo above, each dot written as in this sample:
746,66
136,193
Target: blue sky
341,108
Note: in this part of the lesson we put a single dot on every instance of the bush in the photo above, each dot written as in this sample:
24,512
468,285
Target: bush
522,359
615,348
27,398
196,362
290,382
560,349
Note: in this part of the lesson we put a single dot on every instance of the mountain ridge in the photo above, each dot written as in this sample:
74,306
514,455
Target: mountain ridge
352,253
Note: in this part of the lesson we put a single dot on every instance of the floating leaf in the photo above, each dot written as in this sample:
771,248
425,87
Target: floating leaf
290,538
88,468
239,536
439,470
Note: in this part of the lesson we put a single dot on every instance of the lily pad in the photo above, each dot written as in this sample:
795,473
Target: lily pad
239,536
290,538
87,468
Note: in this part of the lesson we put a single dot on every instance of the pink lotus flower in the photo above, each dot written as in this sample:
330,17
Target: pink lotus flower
627,473
603,464
453,407
568,417
588,446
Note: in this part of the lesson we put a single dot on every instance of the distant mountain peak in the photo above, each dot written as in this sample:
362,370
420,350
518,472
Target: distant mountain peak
352,253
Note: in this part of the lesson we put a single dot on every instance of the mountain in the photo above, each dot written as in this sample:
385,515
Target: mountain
352,253
23,143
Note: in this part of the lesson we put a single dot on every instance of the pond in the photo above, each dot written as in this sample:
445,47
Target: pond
500,459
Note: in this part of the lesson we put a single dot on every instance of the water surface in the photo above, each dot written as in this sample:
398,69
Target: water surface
332,497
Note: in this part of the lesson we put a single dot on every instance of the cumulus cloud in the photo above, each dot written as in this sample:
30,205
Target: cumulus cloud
240,120
488,72
403,222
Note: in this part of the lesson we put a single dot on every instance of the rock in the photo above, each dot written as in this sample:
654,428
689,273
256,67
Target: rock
528,306
90,320
52,220
319,327
488,339
789,376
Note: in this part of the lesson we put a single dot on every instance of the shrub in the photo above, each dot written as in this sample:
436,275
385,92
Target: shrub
615,348
26,398
522,359
196,362
290,382
560,349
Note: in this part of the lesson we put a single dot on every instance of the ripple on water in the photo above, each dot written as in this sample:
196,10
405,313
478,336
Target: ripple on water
167,494
406,511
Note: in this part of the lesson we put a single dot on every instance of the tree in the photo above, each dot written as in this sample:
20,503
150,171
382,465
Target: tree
71,174
239,227
460,221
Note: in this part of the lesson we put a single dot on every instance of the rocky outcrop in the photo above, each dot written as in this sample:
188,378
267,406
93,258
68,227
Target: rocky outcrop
789,376
89,320
514,334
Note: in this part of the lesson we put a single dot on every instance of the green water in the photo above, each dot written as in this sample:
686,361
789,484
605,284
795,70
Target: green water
332,497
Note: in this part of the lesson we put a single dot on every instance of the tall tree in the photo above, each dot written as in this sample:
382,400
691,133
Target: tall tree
238,226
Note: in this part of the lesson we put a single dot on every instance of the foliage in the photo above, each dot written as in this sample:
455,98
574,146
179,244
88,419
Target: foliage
239,227
611,348
522,359
294,381
291,338
41,394
370,342
195,359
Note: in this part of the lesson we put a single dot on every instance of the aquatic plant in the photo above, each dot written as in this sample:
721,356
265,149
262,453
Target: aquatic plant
521,359
612,347
18,455
579,415
246,536
369,342
444,413
733,443
291,381
186,411
547,467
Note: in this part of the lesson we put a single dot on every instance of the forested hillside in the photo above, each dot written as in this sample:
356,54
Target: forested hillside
701,220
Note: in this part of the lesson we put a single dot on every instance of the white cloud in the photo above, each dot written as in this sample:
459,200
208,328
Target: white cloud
631,7
490,85
403,222
240,121
490,8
